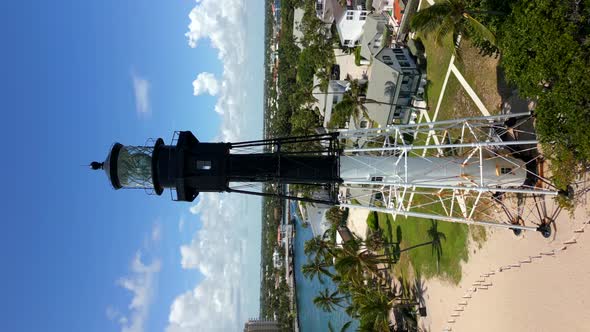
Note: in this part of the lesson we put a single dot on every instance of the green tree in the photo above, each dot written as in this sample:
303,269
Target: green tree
373,307
316,268
336,216
546,54
319,246
328,301
354,261
303,121
451,17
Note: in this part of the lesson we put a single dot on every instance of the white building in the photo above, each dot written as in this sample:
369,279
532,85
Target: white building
395,82
326,10
276,260
350,22
327,100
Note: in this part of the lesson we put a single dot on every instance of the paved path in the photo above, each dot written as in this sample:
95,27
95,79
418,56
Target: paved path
440,98
469,90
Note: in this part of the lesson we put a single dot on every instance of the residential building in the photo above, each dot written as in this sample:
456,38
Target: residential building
350,22
398,14
328,10
395,80
257,325
276,260
382,5
327,100
372,39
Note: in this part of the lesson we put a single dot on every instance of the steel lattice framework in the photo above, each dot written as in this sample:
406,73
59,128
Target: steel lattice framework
505,144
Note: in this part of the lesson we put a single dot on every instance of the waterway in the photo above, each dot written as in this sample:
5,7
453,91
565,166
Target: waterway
311,318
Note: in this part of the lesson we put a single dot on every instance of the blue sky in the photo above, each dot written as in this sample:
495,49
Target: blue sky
79,75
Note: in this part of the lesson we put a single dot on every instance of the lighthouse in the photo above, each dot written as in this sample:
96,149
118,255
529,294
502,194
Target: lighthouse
471,171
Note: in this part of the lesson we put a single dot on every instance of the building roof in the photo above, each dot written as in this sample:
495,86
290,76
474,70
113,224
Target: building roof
332,11
373,29
397,10
382,86
382,76
353,4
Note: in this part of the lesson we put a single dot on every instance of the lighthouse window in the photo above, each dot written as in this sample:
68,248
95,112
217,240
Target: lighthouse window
505,170
204,165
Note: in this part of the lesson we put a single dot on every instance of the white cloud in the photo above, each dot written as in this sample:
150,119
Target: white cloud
141,87
141,284
205,83
141,281
157,232
181,224
222,22
224,299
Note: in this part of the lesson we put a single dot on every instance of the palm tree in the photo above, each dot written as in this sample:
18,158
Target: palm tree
316,268
356,94
328,301
319,246
373,309
452,17
355,263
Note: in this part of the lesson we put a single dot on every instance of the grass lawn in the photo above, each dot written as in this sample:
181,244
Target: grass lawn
437,59
412,231
456,103
482,75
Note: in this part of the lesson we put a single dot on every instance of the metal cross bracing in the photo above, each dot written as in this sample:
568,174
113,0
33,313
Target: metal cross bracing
481,170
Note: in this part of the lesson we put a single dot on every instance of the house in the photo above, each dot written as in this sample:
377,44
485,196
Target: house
350,22
276,260
372,39
398,14
395,80
327,10
327,100
382,5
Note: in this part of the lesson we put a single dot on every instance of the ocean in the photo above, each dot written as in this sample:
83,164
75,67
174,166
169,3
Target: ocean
311,318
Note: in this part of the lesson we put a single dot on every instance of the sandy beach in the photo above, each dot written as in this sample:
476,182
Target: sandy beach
525,283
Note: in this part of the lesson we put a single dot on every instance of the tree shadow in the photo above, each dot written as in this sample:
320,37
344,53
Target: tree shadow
419,289
512,102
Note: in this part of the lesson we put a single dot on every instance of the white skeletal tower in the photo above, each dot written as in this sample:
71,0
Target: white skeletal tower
481,170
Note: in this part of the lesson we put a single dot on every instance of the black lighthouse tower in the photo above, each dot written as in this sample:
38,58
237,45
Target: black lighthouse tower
188,166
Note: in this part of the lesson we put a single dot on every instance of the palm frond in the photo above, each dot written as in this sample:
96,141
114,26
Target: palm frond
428,19
345,326
480,29
446,27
